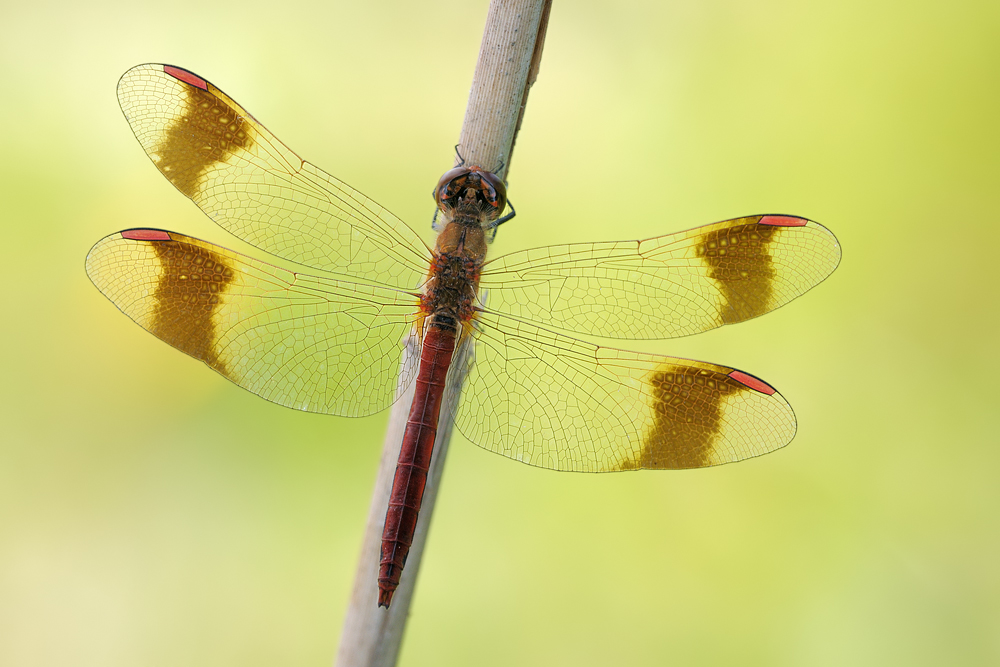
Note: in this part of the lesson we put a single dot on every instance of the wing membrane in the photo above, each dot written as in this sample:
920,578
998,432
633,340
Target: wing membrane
301,341
667,286
542,398
252,185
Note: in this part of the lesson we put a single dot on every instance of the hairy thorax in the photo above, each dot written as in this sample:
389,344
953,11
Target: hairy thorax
450,293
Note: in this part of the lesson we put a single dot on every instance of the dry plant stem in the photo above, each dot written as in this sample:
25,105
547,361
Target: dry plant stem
507,65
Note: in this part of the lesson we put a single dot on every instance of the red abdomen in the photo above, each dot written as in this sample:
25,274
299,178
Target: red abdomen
414,459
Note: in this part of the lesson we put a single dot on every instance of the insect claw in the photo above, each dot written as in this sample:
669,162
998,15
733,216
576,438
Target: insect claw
496,223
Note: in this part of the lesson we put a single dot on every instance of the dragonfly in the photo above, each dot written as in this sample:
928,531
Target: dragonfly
328,331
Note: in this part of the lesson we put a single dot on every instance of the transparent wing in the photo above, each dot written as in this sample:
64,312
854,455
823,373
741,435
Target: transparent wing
667,286
305,342
537,396
252,185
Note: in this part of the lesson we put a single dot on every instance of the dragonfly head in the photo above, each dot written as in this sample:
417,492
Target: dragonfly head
471,190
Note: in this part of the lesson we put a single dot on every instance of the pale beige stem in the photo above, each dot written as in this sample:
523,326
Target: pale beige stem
507,66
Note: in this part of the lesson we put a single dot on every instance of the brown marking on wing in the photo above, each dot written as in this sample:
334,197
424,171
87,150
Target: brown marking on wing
738,259
191,286
687,410
209,131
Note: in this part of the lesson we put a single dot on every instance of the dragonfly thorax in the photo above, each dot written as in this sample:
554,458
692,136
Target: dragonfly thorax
453,280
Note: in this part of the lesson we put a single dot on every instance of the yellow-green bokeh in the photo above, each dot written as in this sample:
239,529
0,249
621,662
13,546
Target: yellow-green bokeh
151,513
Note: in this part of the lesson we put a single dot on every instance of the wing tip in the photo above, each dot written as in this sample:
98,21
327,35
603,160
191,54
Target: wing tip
779,220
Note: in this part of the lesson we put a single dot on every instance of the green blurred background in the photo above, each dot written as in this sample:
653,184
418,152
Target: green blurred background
151,513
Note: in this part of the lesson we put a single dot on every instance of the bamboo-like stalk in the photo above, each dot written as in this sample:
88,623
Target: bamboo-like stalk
507,66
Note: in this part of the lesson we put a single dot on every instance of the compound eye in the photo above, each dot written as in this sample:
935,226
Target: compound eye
495,191
444,188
